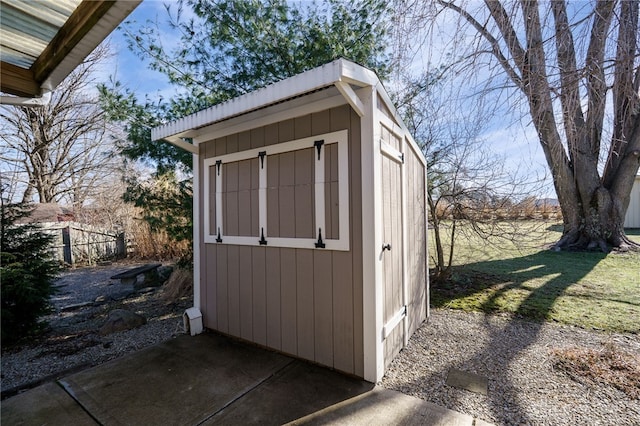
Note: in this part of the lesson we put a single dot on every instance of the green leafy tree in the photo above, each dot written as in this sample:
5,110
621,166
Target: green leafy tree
27,271
230,48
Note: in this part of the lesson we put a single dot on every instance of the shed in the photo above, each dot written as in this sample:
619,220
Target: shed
632,218
310,225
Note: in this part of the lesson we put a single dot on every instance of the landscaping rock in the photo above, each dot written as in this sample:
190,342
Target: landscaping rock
120,320
75,306
164,272
153,278
101,299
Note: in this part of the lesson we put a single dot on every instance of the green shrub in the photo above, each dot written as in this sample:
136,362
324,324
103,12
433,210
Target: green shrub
27,271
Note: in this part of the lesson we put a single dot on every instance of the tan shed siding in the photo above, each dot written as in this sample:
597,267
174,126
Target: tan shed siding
290,194
307,303
304,204
239,198
332,204
289,304
208,292
273,293
231,218
382,107
392,259
416,244
220,297
207,253
259,297
286,193
258,137
244,141
273,195
246,293
233,284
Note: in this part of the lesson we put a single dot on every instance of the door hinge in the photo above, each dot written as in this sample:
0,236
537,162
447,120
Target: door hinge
219,239
262,241
262,154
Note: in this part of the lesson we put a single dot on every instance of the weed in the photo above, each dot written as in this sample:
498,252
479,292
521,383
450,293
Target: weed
609,365
178,286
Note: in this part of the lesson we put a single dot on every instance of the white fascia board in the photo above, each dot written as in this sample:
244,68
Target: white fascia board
306,82
111,19
357,75
181,143
351,97
318,101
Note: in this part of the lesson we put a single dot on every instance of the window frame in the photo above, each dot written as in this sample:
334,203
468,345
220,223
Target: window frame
321,242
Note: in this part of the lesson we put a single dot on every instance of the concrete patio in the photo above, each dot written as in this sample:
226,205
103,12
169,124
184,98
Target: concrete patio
213,380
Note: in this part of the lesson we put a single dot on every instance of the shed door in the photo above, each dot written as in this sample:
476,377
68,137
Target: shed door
392,252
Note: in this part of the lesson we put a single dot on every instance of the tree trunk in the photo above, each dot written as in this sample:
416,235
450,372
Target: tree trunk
441,269
598,225
593,211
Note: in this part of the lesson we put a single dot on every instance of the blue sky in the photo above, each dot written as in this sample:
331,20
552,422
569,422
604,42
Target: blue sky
515,141
127,67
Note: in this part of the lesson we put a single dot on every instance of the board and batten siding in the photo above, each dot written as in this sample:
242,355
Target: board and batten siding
404,264
416,243
303,302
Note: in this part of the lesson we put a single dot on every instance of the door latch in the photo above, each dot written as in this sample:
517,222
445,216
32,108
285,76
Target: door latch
386,247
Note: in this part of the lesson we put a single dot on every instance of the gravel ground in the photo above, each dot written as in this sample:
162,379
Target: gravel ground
524,387
84,299
516,356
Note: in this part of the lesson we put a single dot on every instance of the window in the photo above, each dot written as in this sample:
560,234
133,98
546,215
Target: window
292,194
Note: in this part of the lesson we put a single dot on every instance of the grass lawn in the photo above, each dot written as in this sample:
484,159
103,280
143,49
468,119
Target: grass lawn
591,290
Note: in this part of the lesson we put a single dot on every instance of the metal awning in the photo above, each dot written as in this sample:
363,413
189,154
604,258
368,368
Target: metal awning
43,41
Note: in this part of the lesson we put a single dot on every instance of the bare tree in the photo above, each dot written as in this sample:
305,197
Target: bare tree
470,189
59,151
577,67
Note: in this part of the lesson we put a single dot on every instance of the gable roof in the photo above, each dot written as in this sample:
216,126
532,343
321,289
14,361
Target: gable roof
341,74
42,42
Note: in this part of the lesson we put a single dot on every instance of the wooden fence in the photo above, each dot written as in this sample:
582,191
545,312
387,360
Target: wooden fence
76,243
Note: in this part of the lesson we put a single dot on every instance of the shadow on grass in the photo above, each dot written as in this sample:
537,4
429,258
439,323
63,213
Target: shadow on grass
490,281
498,277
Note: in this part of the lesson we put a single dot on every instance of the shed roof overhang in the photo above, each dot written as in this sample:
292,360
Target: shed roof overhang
340,76
42,42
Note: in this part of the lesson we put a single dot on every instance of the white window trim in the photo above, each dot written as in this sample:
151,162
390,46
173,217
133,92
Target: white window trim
340,137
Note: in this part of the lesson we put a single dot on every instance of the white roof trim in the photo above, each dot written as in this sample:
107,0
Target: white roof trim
339,70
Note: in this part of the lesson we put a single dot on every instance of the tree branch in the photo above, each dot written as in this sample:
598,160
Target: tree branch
596,82
626,100
497,52
574,125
